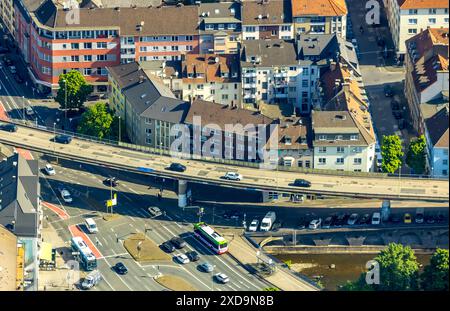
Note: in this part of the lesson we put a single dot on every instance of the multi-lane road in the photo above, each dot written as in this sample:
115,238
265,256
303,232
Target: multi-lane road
134,198
205,172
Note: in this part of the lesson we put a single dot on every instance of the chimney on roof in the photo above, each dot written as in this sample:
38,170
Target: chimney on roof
346,86
333,66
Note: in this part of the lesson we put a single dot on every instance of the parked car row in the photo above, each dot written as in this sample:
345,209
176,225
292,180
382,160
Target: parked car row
346,219
8,62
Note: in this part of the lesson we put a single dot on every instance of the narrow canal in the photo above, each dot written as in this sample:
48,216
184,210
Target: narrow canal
347,266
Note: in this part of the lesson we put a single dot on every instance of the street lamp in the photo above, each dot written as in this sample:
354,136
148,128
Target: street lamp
23,107
65,101
120,133
54,141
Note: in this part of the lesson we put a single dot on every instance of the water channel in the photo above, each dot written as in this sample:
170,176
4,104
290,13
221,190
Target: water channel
347,266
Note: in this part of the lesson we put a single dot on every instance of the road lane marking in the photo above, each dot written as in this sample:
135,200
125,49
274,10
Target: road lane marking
107,262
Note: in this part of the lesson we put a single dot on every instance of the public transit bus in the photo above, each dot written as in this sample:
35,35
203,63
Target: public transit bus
211,238
86,257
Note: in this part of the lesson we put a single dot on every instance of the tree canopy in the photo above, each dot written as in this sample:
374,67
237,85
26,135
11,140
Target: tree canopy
96,121
415,157
391,152
77,90
435,275
398,268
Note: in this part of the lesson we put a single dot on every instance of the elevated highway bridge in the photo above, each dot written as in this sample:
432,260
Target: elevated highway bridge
201,171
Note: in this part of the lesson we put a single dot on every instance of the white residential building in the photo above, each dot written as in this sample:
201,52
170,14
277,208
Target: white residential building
267,20
407,18
212,77
272,73
7,15
437,138
343,135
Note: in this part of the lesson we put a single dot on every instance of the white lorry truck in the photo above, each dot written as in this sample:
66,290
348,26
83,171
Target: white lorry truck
268,221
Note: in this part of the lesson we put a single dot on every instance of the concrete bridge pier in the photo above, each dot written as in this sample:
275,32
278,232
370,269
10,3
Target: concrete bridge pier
182,193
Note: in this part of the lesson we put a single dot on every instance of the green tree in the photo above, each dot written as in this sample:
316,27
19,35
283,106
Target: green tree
73,86
415,157
399,269
391,152
435,275
96,121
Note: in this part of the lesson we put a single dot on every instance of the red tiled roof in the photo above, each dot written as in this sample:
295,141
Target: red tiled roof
319,7
422,4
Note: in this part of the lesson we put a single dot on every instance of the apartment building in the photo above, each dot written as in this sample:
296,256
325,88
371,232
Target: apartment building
227,131
437,138
20,212
427,76
272,73
294,142
220,27
7,15
169,71
212,77
54,40
343,134
320,16
148,107
264,19
408,18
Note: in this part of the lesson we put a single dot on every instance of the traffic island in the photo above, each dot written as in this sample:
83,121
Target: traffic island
142,248
110,217
175,283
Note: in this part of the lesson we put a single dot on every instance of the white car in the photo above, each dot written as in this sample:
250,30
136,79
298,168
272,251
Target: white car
12,69
352,219
29,111
253,225
315,224
65,195
182,258
376,218
222,278
49,170
233,176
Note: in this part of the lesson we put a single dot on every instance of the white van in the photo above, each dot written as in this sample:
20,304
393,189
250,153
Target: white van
91,225
91,280
268,221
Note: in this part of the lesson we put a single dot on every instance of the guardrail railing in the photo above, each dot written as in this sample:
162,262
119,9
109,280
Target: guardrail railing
239,163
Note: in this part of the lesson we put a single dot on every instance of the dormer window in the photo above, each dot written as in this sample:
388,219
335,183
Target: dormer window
338,137
231,26
354,137
288,140
209,27
322,137
224,74
190,75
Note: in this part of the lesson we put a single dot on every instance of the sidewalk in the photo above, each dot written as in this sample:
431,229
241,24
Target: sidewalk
55,280
240,249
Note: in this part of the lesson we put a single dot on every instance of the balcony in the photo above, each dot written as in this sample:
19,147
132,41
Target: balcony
249,74
249,85
248,95
280,75
281,95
